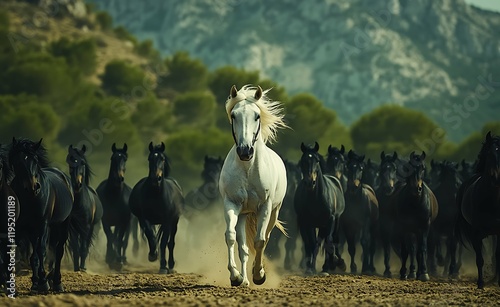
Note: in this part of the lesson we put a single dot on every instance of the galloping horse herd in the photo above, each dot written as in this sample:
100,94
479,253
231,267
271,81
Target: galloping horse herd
395,205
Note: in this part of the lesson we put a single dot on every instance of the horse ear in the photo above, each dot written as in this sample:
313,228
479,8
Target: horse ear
342,149
151,146
422,156
330,149
14,141
162,147
412,155
463,162
258,93
362,158
70,147
433,164
488,136
113,147
125,147
382,156
316,146
350,154
369,162
37,145
303,147
84,148
395,156
233,92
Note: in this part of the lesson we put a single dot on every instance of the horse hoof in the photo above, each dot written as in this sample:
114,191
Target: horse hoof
387,274
152,257
341,265
424,277
237,282
403,277
43,287
164,271
480,284
261,281
172,271
323,273
58,288
412,275
84,270
310,272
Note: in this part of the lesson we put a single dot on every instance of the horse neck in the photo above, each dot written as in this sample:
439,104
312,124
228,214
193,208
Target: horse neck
113,178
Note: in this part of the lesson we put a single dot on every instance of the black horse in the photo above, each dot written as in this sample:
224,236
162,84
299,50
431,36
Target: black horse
158,200
360,217
46,200
9,212
336,164
370,174
86,205
319,203
114,194
289,217
478,201
467,169
207,195
414,209
446,186
385,194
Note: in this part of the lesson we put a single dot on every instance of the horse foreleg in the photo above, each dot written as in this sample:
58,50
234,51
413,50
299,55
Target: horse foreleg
62,237
404,257
43,285
171,245
165,233
422,255
336,242
329,264
34,262
231,216
308,235
133,226
497,257
153,244
290,246
243,251
110,244
266,219
477,244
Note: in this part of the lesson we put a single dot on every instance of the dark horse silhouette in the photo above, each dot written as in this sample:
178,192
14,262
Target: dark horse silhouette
385,193
478,202
114,194
289,217
446,186
46,200
414,209
158,200
207,195
336,164
9,212
371,175
86,205
319,202
360,217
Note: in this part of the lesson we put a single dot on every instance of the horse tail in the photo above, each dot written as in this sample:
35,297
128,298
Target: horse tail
251,231
280,225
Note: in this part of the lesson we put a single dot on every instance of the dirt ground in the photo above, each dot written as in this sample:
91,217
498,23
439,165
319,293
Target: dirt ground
203,280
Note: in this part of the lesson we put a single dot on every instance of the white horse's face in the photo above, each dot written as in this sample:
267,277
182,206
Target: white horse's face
245,118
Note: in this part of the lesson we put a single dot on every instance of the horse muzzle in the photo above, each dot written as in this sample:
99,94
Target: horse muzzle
245,152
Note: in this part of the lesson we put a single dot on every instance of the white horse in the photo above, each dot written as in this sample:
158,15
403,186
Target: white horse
253,179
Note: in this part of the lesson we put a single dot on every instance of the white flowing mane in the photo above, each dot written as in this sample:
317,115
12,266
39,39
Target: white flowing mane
271,112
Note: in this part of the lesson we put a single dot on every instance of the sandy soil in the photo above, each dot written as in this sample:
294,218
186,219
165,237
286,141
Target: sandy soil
203,280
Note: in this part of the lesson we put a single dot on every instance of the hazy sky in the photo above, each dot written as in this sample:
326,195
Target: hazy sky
492,5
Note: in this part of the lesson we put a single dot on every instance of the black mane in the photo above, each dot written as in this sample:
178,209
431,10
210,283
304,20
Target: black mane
8,174
483,153
26,146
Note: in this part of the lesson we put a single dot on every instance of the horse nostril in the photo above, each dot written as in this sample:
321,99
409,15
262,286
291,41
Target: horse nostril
159,178
122,179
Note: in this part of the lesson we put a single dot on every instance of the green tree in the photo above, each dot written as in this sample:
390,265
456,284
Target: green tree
395,128
104,20
120,78
195,109
309,120
26,116
469,148
123,34
221,80
152,117
78,54
184,73
147,50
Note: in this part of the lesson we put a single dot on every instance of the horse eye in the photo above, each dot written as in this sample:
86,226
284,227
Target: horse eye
257,117
232,116
25,157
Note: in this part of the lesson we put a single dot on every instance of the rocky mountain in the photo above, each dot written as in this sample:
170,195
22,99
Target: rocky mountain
439,56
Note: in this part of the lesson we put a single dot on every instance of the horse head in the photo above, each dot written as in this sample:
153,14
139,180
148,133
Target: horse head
310,164
211,169
355,167
490,154
118,163
416,175
159,167
78,167
388,171
28,158
335,161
